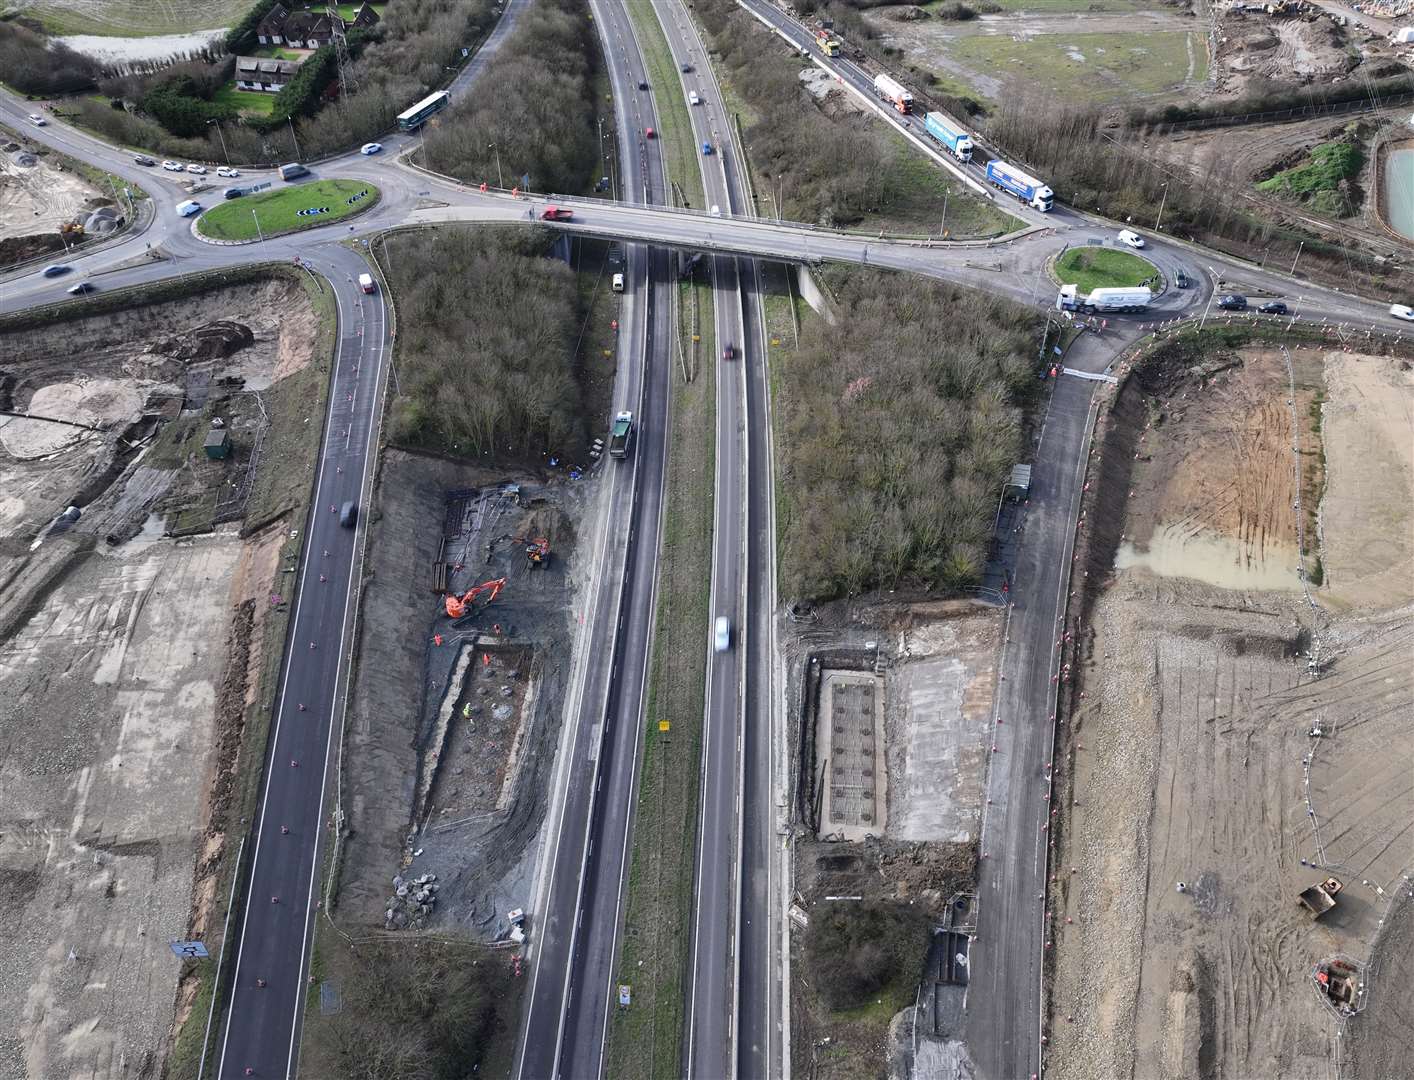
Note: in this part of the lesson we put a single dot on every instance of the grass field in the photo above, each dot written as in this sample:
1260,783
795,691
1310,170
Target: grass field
278,211
247,101
1090,268
1091,67
128,18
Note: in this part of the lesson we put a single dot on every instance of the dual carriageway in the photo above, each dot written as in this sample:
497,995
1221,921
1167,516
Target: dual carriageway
736,1020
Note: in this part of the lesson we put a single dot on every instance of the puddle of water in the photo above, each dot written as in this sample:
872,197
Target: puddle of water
1209,557
157,47
1399,182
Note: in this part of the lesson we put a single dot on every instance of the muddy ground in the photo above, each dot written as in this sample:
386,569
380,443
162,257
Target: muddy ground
122,661
39,194
1230,733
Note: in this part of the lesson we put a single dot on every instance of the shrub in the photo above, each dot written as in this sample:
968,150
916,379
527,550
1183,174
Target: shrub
300,96
33,64
855,950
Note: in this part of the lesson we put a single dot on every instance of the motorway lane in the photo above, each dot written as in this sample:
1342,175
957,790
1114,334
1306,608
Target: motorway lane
575,965
274,937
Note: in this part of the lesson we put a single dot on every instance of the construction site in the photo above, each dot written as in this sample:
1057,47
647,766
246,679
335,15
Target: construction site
894,701
46,206
145,524
1229,890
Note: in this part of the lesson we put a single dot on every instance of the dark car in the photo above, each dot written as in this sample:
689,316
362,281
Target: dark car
1181,280
643,84
685,68
729,353
1273,307
56,270
83,288
1233,302
233,192
348,514
143,159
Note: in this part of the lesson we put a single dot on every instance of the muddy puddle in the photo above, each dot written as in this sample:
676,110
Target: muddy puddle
1177,551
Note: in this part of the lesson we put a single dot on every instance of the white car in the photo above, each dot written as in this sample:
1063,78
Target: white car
692,98
716,210
228,172
371,148
37,120
1402,311
722,634
188,208
1130,238
197,169
172,166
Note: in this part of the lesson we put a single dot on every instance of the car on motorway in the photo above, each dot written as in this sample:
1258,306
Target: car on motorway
172,166
1233,302
188,208
1273,307
371,148
706,149
56,270
1181,279
1402,311
649,133
729,351
686,69
348,514
37,120
722,634
200,169
1130,238
643,84
692,98
228,172
143,159
617,284
716,210
83,288
556,213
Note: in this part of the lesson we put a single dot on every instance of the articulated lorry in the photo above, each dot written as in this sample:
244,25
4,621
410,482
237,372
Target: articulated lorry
957,141
1015,182
1105,301
620,435
893,93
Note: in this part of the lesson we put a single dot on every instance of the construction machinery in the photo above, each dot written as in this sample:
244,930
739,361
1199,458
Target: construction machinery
537,549
458,606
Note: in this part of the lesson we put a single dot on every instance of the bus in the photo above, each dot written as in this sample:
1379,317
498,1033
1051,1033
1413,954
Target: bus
415,117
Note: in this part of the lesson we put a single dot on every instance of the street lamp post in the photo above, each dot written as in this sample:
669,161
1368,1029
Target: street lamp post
499,182
1162,201
293,137
225,153
256,219
943,225
1298,256
1204,320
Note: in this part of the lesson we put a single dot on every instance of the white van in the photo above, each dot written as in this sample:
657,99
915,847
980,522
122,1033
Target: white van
188,208
692,98
618,283
1130,238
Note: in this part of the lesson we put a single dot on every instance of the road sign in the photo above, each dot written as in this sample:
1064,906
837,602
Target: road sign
189,950
625,994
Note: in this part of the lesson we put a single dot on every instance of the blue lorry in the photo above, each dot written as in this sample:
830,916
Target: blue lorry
959,143
1026,188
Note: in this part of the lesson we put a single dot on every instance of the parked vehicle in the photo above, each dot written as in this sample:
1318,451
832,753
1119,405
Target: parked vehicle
200,170
56,270
1130,238
958,142
293,171
83,288
1025,187
1181,279
365,283
188,208
894,93
556,213
1233,302
722,634
143,159
1104,300
1273,307
621,435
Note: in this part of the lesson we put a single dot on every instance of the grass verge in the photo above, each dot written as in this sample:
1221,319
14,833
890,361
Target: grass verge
1090,268
275,213
645,1039
1321,180
680,150
255,102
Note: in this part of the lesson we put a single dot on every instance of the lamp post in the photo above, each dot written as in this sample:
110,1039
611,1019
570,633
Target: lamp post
1165,199
225,153
294,138
499,182
1204,320
256,219
943,224
1298,256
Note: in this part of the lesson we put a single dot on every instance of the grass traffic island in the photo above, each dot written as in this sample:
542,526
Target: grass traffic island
1091,268
280,211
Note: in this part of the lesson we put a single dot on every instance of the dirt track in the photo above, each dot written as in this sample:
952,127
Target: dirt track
1188,750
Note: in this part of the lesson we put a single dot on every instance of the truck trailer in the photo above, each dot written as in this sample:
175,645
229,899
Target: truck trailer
1105,301
893,93
958,142
1026,188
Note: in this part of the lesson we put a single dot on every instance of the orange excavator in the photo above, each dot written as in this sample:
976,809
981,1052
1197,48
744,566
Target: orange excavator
457,606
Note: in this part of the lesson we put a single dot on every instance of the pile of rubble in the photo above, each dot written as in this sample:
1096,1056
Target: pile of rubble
411,903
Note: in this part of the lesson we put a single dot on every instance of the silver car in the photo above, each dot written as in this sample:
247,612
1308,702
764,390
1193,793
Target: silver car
722,634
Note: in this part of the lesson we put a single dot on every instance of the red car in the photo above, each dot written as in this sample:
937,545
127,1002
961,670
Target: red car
729,353
556,213
648,133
